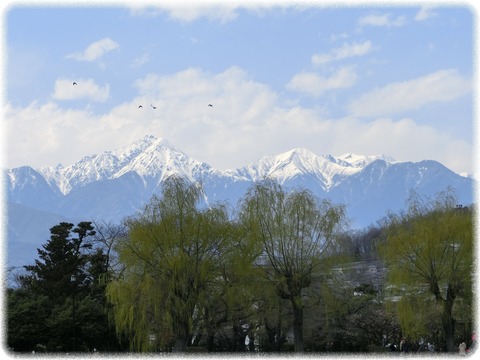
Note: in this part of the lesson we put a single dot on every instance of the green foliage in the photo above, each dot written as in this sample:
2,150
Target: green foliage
40,312
430,255
344,322
59,259
173,259
297,232
417,314
181,277
26,318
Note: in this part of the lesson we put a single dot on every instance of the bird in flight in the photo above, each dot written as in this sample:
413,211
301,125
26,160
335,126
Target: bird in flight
74,83
140,106
210,105
154,107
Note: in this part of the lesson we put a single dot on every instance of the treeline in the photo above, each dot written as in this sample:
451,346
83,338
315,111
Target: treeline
280,273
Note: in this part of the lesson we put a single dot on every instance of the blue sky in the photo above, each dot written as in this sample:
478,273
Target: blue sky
372,79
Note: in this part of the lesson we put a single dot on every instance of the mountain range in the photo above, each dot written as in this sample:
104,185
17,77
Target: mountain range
116,184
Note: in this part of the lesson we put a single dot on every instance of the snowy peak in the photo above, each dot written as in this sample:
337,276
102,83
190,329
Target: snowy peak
148,145
360,161
152,160
292,162
160,159
21,177
115,184
297,162
149,157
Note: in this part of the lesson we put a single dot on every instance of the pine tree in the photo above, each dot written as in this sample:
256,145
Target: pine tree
60,261
49,288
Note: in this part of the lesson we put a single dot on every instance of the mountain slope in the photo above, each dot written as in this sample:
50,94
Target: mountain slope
151,158
327,170
116,184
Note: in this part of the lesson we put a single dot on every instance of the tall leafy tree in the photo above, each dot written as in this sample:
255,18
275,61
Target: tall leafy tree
234,304
171,261
430,254
297,232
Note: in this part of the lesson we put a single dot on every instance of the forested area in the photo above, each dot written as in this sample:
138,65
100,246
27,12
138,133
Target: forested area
280,273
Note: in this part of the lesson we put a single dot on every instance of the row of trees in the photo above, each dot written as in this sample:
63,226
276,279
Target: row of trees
184,266
178,277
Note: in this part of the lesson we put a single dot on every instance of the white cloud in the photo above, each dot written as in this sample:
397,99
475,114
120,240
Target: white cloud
84,89
95,50
381,20
315,85
425,13
335,37
248,120
346,51
173,86
141,60
395,138
42,134
186,11
189,13
440,86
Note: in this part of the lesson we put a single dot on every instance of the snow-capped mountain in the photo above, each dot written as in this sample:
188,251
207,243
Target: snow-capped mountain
151,158
326,169
116,184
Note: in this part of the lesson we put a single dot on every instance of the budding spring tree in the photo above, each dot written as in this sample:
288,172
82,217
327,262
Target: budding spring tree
298,233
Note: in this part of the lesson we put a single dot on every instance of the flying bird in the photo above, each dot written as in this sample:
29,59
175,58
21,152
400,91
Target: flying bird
154,107
140,106
210,105
74,83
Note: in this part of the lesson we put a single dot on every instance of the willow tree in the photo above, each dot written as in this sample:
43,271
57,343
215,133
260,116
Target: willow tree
430,255
170,260
297,232
236,302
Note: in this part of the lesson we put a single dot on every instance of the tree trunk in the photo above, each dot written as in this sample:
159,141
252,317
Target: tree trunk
182,336
297,306
238,338
251,344
447,320
180,344
210,340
